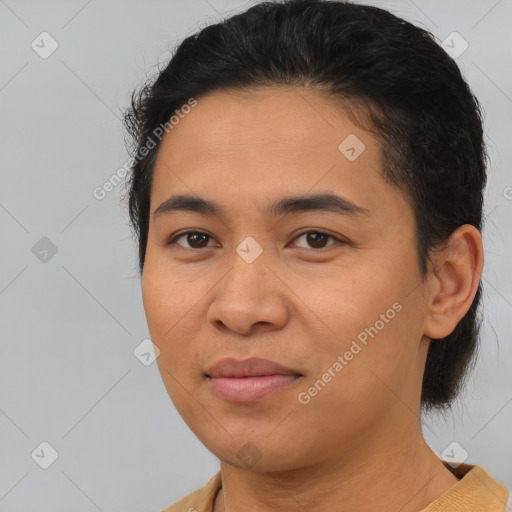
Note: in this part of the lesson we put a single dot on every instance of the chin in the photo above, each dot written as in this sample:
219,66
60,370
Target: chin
255,455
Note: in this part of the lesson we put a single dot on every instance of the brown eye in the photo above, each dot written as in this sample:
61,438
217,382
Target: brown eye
195,239
199,240
317,239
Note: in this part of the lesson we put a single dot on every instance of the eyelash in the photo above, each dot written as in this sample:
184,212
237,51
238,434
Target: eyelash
316,232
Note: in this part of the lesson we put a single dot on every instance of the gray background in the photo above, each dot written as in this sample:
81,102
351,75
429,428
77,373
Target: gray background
70,321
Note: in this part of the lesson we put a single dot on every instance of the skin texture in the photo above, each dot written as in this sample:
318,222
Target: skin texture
299,304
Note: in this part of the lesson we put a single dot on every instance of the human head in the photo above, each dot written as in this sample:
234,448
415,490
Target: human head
390,77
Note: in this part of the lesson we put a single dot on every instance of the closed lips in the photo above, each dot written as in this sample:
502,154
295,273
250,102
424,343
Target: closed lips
252,367
249,381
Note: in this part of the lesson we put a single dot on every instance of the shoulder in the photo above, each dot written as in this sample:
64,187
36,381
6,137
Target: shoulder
476,491
201,500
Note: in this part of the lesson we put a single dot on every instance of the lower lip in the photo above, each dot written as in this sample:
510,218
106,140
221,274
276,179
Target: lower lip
250,389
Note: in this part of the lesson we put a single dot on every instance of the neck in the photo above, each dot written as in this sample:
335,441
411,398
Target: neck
404,475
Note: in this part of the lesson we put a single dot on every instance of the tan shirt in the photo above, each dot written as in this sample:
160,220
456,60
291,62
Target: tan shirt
476,491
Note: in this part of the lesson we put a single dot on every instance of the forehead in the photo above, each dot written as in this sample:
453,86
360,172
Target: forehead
268,143
271,118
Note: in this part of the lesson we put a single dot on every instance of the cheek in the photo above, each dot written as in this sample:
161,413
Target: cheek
166,298
169,307
349,300
372,320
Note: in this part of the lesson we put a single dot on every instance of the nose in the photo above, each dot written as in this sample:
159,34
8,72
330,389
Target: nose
250,297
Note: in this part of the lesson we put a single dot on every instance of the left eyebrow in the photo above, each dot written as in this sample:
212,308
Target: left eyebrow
287,205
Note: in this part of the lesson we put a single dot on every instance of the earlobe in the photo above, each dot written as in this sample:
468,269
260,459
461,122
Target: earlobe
454,281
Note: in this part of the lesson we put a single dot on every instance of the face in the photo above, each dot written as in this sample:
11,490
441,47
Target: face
329,290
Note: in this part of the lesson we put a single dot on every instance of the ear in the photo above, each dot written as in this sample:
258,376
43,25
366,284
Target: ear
453,281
